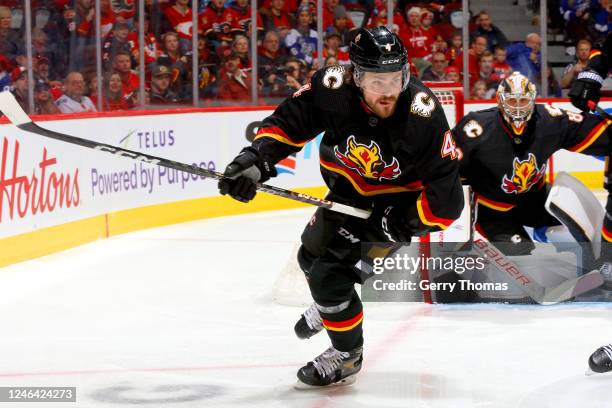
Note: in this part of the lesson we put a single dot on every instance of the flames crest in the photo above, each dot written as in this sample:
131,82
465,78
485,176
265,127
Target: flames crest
524,175
367,160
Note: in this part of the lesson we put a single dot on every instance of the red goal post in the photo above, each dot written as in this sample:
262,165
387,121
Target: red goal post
450,95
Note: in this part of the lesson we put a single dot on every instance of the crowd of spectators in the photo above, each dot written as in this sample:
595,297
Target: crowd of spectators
64,44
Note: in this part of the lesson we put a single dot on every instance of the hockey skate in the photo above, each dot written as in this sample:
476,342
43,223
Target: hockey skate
600,361
331,368
309,324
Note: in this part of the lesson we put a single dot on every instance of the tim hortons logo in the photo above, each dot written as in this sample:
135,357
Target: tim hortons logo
43,191
524,175
367,160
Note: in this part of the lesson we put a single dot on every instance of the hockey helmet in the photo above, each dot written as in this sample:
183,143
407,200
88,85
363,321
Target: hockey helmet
378,50
516,100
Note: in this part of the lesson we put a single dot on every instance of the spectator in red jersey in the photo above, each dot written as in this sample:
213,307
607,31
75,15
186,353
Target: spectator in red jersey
289,6
152,49
501,69
332,47
435,72
452,74
43,100
379,17
479,46
125,10
329,15
417,41
180,17
426,22
213,24
235,83
277,19
240,46
122,64
238,15
485,70
113,97
455,48
84,23
107,18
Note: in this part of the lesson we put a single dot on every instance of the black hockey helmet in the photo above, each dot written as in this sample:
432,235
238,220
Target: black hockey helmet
378,50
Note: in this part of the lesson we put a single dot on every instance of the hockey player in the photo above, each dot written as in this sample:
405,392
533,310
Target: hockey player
387,147
584,94
505,151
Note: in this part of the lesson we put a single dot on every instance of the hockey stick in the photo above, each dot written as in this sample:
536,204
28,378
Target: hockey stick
598,109
11,108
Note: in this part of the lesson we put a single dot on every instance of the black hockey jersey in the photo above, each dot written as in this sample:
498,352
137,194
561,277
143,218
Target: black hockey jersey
408,159
503,169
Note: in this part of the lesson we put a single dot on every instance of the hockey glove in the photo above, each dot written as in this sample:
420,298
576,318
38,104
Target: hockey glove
242,174
393,223
585,90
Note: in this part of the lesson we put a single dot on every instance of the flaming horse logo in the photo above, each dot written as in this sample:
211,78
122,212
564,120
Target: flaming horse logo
526,174
367,161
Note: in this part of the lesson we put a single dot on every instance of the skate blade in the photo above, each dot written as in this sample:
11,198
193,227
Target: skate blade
299,385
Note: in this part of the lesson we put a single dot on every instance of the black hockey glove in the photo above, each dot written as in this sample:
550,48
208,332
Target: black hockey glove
243,172
585,90
395,224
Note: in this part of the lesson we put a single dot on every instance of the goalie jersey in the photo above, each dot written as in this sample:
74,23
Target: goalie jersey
365,160
503,168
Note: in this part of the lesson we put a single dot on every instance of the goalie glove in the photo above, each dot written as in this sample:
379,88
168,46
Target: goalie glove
585,90
242,174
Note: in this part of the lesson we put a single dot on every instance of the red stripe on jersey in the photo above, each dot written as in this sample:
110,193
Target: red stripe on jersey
427,216
591,137
495,205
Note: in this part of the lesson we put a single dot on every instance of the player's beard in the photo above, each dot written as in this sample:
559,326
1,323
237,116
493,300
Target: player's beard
382,106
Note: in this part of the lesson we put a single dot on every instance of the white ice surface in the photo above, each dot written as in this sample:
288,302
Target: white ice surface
182,316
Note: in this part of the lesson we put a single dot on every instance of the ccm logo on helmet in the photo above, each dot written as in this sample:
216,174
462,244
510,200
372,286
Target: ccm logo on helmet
393,61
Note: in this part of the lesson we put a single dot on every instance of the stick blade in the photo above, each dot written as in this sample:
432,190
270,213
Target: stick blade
12,110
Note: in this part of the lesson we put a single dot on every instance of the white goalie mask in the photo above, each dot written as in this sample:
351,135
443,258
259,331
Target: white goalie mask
516,100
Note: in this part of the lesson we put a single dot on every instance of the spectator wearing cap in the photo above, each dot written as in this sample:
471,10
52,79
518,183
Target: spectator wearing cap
330,14
452,74
276,18
122,64
213,24
9,38
435,72
238,15
181,19
234,83
43,100
113,97
19,85
418,42
302,40
74,100
379,18
495,37
332,47
161,79
342,24
426,25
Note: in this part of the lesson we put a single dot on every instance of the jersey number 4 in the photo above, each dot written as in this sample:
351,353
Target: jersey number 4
449,148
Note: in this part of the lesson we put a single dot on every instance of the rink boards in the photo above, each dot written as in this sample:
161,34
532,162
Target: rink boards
55,196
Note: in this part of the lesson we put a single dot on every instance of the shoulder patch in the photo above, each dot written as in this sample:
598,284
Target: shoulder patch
422,105
472,129
553,111
333,78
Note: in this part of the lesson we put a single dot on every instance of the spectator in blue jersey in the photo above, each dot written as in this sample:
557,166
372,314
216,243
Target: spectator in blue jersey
577,16
302,40
602,19
526,57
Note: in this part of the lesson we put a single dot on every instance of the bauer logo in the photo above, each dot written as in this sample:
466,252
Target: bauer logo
41,187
